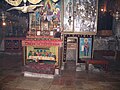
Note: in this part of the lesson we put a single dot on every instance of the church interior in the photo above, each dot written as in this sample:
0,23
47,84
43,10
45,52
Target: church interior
60,44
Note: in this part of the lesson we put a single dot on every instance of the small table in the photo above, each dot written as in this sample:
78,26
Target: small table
99,62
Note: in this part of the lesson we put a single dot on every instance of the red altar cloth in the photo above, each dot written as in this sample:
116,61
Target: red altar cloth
41,42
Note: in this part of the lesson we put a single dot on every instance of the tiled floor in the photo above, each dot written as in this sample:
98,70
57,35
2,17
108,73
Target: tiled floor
11,78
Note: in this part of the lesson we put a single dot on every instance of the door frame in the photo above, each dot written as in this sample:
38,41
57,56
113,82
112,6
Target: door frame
76,48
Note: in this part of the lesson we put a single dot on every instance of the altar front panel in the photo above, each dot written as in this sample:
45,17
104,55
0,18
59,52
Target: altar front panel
42,53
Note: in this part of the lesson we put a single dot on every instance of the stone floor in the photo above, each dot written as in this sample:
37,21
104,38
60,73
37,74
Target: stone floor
11,78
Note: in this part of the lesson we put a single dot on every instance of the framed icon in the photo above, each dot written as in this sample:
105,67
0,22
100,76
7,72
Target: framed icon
85,48
44,26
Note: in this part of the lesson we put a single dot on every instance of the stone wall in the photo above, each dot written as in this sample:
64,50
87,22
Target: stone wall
111,42
100,43
106,43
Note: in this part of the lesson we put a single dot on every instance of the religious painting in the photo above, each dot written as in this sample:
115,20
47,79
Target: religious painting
46,17
37,17
47,53
85,15
44,26
33,32
68,15
46,33
32,21
85,48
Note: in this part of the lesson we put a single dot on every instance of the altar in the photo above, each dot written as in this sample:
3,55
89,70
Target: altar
42,50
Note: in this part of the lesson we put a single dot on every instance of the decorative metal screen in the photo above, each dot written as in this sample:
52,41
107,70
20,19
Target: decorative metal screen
71,54
80,16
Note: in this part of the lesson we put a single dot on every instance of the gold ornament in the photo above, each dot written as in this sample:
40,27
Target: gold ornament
54,0
34,1
14,2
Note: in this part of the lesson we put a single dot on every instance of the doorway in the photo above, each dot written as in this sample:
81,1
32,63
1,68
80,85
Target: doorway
72,49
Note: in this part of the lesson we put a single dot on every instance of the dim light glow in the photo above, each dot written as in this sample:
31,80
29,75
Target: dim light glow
102,9
3,23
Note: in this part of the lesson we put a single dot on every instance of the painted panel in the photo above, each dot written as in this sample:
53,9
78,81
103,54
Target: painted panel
85,48
42,53
46,17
